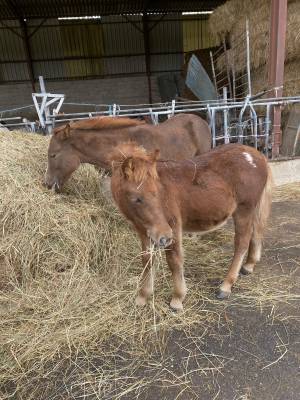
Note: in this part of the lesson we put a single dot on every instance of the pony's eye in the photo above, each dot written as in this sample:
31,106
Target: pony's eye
138,200
52,155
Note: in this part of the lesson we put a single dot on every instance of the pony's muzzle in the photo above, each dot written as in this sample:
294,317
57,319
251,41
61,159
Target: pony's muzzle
164,241
161,238
53,186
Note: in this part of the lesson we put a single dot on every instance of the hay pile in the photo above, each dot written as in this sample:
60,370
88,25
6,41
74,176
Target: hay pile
69,270
229,21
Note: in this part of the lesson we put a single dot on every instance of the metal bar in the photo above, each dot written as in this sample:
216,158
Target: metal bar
82,57
213,125
103,22
267,128
10,119
27,51
253,122
37,28
157,22
213,70
248,58
227,67
225,115
218,51
276,64
233,82
42,85
10,29
179,107
133,23
147,54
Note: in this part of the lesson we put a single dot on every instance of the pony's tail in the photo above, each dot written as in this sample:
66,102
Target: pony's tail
263,207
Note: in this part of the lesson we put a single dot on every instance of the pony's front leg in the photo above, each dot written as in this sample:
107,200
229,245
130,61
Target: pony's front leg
243,221
174,256
147,278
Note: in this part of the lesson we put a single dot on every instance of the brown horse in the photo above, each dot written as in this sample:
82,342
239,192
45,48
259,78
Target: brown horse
90,141
163,198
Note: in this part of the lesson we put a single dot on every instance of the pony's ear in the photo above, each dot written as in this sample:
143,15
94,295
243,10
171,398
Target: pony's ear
154,156
63,133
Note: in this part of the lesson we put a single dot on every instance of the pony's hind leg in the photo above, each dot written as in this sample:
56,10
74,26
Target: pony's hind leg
174,256
261,215
254,254
243,221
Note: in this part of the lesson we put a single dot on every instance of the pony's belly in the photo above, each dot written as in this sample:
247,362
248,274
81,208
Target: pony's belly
203,227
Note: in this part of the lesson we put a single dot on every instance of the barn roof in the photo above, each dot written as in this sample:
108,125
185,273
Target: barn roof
15,9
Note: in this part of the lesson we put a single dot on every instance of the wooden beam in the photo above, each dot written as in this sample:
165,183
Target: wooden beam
278,24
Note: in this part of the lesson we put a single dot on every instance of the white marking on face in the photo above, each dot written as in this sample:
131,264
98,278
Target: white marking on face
249,158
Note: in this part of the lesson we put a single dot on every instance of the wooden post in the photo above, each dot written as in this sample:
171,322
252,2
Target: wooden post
147,54
278,23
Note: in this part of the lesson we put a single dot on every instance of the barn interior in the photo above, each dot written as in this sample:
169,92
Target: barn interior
70,263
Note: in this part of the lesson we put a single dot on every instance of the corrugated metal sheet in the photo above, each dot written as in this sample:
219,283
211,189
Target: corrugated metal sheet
49,8
197,35
198,81
113,45
166,36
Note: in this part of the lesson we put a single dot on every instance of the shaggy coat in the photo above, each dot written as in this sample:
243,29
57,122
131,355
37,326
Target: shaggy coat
164,198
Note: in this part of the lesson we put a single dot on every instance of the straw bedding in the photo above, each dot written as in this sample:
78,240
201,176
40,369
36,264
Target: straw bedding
69,267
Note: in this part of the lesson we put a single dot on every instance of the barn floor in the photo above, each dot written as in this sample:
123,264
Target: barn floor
254,353
250,350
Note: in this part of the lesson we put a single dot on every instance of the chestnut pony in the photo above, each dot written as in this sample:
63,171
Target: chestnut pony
163,198
90,141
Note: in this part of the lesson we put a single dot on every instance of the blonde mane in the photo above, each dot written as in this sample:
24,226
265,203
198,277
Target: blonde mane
133,163
105,123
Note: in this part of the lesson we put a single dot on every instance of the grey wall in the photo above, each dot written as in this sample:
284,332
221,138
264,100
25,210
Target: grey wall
122,90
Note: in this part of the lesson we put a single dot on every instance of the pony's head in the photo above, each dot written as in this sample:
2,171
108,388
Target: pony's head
137,190
63,159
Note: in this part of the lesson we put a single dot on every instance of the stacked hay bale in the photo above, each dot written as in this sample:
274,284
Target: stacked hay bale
229,21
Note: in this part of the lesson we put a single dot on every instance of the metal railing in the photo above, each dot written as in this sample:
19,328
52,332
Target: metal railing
245,121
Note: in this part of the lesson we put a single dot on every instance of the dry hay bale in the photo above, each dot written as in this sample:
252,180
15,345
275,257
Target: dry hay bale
291,86
258,14
224,18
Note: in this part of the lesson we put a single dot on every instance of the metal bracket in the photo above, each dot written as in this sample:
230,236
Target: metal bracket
154,116
43,109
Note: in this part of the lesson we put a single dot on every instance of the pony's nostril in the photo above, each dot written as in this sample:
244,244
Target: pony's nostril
162,241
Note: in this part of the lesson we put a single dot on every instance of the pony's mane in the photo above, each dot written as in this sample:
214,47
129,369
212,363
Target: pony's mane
133,163
105,123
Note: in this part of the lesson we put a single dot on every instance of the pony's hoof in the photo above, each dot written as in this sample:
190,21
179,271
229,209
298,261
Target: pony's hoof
176,305
245,271
222,295
140,301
